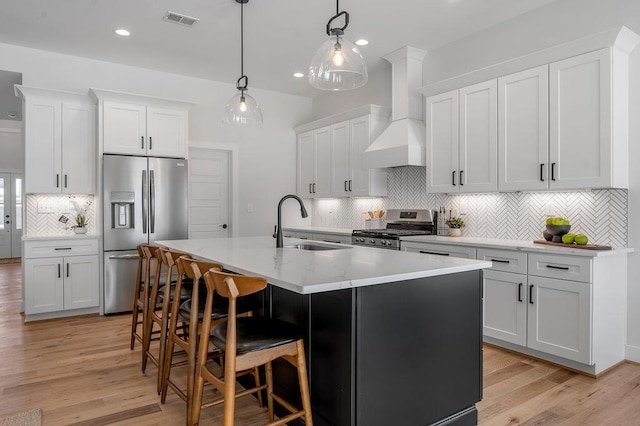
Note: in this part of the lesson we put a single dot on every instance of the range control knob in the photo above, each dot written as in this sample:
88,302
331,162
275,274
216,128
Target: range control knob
372,241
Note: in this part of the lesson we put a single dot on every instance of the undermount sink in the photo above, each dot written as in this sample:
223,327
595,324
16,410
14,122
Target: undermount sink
307,246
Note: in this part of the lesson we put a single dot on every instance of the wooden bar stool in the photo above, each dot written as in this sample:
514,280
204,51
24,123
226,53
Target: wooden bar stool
136,315
160,301
247,343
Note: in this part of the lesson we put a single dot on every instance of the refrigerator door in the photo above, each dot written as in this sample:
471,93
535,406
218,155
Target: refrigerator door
126,185
119,280
167,199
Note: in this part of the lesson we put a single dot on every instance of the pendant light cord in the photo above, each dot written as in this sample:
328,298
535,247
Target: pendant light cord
242,39
337,6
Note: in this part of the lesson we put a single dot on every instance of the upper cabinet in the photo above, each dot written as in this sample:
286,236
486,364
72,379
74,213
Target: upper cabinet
60,148
140,125
462,140
330,155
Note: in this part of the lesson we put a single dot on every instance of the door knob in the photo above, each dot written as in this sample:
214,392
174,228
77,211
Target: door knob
224,226
7,221
7,216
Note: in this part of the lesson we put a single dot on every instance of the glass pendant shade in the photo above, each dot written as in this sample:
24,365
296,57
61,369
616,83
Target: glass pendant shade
242,109
337,65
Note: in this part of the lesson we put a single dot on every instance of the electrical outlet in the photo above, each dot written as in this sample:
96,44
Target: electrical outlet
462,209
45,207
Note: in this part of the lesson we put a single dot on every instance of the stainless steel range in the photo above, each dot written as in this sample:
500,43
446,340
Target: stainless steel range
400,223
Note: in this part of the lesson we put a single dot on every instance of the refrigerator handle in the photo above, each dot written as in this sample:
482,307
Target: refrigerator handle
152,202
144,202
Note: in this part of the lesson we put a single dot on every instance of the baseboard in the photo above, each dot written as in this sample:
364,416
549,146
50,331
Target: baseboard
632,353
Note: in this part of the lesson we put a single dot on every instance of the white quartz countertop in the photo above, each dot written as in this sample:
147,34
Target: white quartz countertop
306,272
521,245
320,229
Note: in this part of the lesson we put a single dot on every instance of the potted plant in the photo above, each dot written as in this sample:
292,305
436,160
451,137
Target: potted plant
81,224
455,225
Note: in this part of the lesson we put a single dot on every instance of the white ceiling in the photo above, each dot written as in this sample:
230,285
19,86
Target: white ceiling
281,36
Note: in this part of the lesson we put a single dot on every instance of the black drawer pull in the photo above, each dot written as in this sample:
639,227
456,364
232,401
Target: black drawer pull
531,294
303,238
332,241
453,178
553,171
432,252
58,270
500,261
461,177
519,292
541,169
67,270
563,268
62,248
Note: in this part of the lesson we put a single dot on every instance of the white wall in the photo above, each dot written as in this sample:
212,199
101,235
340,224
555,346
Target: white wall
267,153
559,22
11,148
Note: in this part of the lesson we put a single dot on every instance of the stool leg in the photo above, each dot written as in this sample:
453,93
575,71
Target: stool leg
134,322
304,384
269,377
256,377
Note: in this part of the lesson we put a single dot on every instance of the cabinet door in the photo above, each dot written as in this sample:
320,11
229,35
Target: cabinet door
306,164
78,148
360,131
442,142
81,282
439,249
478,142
340,159
580,121
523,129
43,289
505,307
125,128
43,145
166,131
322,183
559,318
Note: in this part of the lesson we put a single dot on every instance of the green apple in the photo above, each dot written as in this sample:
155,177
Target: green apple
550,221
564,221
568,238
581,239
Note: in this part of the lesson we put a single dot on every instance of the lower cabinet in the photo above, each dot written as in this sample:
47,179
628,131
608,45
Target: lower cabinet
60,284
505,307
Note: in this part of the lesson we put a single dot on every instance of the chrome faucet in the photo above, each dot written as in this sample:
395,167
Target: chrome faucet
278,231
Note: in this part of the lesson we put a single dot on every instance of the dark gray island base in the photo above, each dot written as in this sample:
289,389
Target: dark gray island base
404,353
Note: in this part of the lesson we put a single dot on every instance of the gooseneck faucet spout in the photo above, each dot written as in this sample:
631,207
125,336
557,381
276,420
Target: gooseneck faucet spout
278,233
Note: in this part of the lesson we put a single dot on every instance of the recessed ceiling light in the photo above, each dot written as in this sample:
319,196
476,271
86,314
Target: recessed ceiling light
122,32
298,75
362,42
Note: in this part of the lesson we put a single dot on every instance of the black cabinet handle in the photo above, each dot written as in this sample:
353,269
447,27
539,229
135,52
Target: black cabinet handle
432,252
519,292
62,248
309,188
57,181
541,171
562,268
350,185
453,178
531,294
332,241
150,142
499,260
461,178
553,171
345,186
58,270
314,188
65,181
67,270
141,142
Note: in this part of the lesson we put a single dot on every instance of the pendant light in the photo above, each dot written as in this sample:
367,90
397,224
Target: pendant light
242,108
337,64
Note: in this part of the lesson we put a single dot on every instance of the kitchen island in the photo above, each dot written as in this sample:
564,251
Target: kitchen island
391,337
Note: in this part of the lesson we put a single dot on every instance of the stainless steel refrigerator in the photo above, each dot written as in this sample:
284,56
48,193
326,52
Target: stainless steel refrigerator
145,200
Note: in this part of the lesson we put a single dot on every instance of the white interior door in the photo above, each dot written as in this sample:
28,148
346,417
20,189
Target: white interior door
209,190
6,214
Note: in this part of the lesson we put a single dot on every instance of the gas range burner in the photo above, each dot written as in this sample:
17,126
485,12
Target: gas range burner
400,223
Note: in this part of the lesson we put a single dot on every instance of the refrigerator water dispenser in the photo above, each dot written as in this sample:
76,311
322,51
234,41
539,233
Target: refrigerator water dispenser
122,209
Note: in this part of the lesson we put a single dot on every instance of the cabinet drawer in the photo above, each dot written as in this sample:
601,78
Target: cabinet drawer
304,235
439,249
52,248
571,268
332,238
505,260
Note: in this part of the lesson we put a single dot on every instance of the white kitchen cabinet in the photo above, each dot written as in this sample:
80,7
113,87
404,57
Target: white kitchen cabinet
334,148
144,130
64,284
523,130
60,148
505,306
588,121
142,125
462,140
439,249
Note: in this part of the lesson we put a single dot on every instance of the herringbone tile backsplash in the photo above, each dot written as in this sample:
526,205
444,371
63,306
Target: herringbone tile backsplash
40,224
599,214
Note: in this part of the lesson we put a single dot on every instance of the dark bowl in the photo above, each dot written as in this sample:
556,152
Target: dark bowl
547,236
558,230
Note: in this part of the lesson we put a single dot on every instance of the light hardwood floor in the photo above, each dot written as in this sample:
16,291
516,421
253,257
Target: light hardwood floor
80,371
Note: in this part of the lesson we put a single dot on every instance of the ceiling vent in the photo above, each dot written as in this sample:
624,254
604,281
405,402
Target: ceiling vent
176,18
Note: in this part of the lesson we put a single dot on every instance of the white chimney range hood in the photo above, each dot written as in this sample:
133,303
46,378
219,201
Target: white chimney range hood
402,143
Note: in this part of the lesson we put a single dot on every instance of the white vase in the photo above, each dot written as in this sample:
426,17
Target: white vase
455,232
80,230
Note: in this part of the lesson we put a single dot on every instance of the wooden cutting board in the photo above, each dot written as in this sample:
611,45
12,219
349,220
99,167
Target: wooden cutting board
573,246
